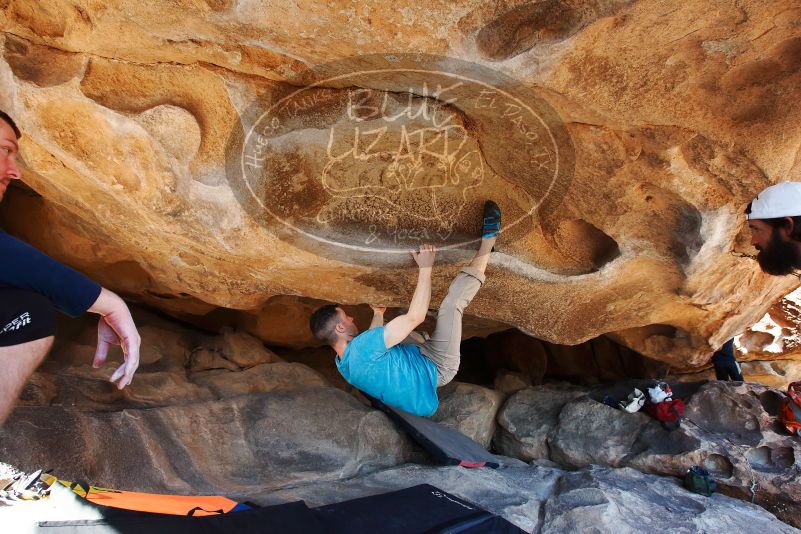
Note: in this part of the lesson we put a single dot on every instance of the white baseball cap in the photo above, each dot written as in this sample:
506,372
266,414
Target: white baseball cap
779,200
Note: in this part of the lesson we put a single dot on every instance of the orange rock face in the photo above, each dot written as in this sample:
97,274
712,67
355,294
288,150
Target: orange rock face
199,155
767,351
770,351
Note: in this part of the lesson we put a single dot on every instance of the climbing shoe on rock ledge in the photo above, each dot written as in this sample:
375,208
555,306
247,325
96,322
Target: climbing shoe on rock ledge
492,220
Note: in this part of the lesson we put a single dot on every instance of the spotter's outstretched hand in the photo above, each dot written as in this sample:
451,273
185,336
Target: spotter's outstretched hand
116,327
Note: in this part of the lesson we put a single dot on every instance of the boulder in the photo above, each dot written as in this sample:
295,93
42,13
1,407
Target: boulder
259,379
87,388
205,359
243,349
232,350
547,499
149,390
729,428
470,409
323,361
40,390
588,432
508,382
161,347
528,418
625,500
241,444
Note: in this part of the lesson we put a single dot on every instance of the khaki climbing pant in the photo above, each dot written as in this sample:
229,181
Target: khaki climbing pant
442,347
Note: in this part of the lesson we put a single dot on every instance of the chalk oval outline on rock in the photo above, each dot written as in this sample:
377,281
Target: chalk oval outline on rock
264,128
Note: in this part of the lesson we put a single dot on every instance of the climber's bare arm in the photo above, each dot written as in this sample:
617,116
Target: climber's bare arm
378,316
400,327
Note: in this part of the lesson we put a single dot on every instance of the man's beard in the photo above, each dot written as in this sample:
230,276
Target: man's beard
779,257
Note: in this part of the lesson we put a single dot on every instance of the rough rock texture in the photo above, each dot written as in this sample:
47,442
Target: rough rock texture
545,499
777,336
670,117
603,497
769,351
528,417
596,361
470,409
323,431
536,499
777,373
263,440
284,321
178,366
508,382
774,373
656,122
260,378
250,425
730,429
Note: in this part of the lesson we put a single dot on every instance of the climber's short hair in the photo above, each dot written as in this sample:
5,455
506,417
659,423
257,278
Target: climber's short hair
322,323
5,117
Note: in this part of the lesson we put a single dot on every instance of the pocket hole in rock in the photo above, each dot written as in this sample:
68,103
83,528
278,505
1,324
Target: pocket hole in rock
771,402
718,466
767,459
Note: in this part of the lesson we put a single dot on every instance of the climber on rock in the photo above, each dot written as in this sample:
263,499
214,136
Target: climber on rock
774,218
395,364
31,285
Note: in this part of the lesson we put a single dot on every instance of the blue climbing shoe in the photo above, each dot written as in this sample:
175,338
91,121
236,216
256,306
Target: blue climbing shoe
492,220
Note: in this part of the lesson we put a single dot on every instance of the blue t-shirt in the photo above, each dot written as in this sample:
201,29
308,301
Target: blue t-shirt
24,267
399,376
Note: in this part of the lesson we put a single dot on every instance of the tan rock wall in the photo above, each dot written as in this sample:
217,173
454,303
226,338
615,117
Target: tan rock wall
768,351
677,115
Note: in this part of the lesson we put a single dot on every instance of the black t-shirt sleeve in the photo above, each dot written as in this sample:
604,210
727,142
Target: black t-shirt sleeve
25,267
